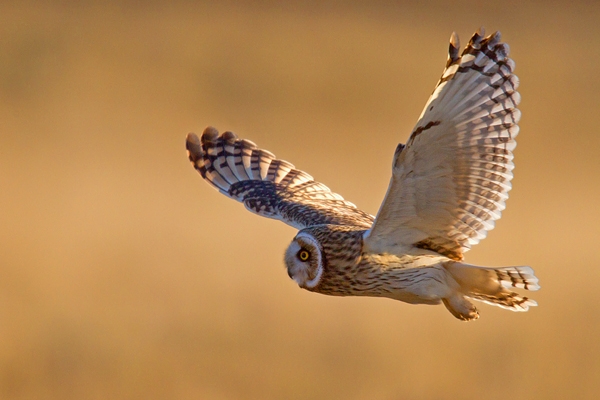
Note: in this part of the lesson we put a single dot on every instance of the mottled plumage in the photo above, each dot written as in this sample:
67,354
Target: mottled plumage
267,186
449,185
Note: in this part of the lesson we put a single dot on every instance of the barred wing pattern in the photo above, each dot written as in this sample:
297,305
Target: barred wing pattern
267,186
451,180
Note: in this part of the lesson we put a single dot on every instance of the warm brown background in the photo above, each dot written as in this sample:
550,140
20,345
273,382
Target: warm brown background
124,276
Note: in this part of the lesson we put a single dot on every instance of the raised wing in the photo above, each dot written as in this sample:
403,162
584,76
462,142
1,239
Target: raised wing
267,186
451,180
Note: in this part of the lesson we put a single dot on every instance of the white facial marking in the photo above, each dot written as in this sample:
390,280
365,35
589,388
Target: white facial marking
301,270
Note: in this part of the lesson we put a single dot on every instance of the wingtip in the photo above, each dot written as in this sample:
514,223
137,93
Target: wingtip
192,138
477,38
453,48
454,40
192,145
209,134
229,136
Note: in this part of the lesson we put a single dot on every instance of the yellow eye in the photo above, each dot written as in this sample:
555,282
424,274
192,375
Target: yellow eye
303,255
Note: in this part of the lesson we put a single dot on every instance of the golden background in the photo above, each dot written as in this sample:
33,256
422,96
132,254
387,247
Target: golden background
124,276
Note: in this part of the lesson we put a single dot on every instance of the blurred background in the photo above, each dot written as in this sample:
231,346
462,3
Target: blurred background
124,276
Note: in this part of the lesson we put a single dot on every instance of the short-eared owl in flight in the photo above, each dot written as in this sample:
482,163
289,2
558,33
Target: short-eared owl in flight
449,183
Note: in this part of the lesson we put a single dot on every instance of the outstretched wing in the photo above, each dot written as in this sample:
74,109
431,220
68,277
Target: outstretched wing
451,180
267,186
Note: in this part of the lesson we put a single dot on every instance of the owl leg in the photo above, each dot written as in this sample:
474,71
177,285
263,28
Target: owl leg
460,307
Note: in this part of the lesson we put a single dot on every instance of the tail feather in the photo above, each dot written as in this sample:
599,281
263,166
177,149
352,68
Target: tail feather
518,277
507,300
493,285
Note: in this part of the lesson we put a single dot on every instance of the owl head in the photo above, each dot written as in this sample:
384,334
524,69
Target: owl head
304,260
320,254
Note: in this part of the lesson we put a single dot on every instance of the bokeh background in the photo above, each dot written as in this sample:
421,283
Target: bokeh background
124,276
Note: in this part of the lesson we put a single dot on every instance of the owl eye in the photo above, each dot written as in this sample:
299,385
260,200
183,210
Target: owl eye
303,255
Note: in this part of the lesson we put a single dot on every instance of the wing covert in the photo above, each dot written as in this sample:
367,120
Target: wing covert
451,180
267,186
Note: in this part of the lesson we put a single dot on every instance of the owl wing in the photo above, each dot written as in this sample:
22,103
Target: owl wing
267,186
451,180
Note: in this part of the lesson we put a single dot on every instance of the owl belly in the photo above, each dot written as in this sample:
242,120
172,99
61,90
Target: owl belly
411,279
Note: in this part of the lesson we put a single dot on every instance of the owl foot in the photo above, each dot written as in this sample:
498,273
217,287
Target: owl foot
461,308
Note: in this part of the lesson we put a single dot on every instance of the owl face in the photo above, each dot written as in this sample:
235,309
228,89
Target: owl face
304,260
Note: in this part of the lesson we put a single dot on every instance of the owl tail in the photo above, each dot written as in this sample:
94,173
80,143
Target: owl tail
493,285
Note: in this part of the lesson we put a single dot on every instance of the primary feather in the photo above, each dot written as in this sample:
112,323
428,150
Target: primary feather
267,186
451,181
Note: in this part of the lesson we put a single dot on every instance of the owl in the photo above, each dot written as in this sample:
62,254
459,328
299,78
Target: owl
449,185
